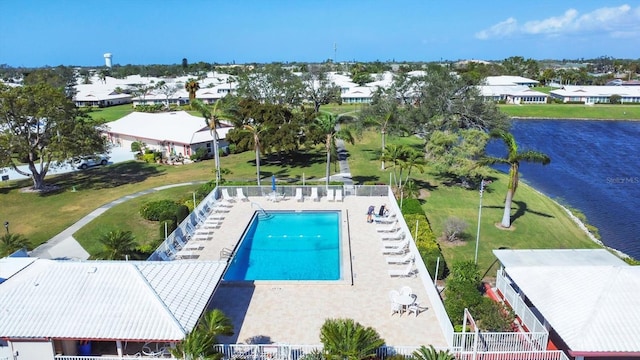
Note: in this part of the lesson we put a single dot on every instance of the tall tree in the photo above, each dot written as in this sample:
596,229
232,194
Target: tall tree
41,127
117,244
167,90
328,125
318,87
256,129
10,243
192,86
272,84
456,154
513,159
212,117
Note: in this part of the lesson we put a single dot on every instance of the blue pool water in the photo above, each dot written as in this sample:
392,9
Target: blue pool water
289,246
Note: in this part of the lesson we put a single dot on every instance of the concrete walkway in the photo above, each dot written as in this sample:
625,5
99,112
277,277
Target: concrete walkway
64,247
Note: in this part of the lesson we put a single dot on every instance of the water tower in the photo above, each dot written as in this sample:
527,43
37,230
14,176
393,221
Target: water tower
107,60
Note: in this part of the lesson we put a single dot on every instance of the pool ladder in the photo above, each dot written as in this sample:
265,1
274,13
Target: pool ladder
225,253
263,213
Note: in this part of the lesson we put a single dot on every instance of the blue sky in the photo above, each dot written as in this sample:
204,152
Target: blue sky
37,33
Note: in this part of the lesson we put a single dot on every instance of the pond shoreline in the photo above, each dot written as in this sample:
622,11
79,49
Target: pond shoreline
568,119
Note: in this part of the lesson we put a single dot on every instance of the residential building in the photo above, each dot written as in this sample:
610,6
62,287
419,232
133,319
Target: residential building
50,307
172,133
588,299
592,94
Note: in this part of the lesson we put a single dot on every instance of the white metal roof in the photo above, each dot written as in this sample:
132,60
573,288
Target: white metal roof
509,80
590,297
597,91
107,299
178,127
9,266
561,257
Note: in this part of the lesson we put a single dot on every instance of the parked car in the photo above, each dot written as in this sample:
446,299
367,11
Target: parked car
90,161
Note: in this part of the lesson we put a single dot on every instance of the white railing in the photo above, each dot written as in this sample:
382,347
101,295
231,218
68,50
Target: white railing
500,341
265,351
296,352
511,296
514,355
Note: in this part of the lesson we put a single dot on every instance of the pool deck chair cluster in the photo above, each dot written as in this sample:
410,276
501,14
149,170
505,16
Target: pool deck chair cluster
395,247
209,221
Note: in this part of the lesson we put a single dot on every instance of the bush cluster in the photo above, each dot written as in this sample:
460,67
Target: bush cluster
464,290
165,211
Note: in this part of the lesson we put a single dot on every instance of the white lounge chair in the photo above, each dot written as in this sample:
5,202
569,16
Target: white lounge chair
331,195
399,235
213,224
403,272
240,195
389,227
314,194
226,196
395,244
399,250
298,196
383,220
400,259
339,195
193,245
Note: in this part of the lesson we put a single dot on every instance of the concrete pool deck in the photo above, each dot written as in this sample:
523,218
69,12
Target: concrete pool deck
292,313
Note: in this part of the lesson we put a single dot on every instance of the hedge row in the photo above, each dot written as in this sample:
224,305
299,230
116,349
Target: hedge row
425,240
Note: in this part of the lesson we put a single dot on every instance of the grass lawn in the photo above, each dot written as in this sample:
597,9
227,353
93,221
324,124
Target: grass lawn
571,111
111,113
126,216
539,222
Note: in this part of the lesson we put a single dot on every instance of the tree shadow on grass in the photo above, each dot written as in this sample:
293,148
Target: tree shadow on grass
104,177
294,160
521,210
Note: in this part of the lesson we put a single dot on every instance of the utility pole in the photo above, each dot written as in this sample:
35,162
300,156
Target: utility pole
482,184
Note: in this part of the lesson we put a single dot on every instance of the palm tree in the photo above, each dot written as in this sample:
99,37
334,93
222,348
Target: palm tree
382,124
328,124
198,344
192,86
513,159
10,243
117,244
345,339
212,118
256,129
430,353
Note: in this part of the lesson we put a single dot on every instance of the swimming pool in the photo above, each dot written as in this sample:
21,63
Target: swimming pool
289,246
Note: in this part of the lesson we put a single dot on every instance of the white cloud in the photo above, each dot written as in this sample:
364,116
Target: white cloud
611,21
500,29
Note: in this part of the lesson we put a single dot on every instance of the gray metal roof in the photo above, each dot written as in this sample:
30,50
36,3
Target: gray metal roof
589,297
107,299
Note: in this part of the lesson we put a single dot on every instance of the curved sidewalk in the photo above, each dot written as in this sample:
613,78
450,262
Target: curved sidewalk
64,247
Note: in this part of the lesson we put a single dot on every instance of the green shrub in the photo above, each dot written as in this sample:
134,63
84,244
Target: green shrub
426,244
182,211
493,316
159,210
462,290
171,226
200,154
412,206
149,158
